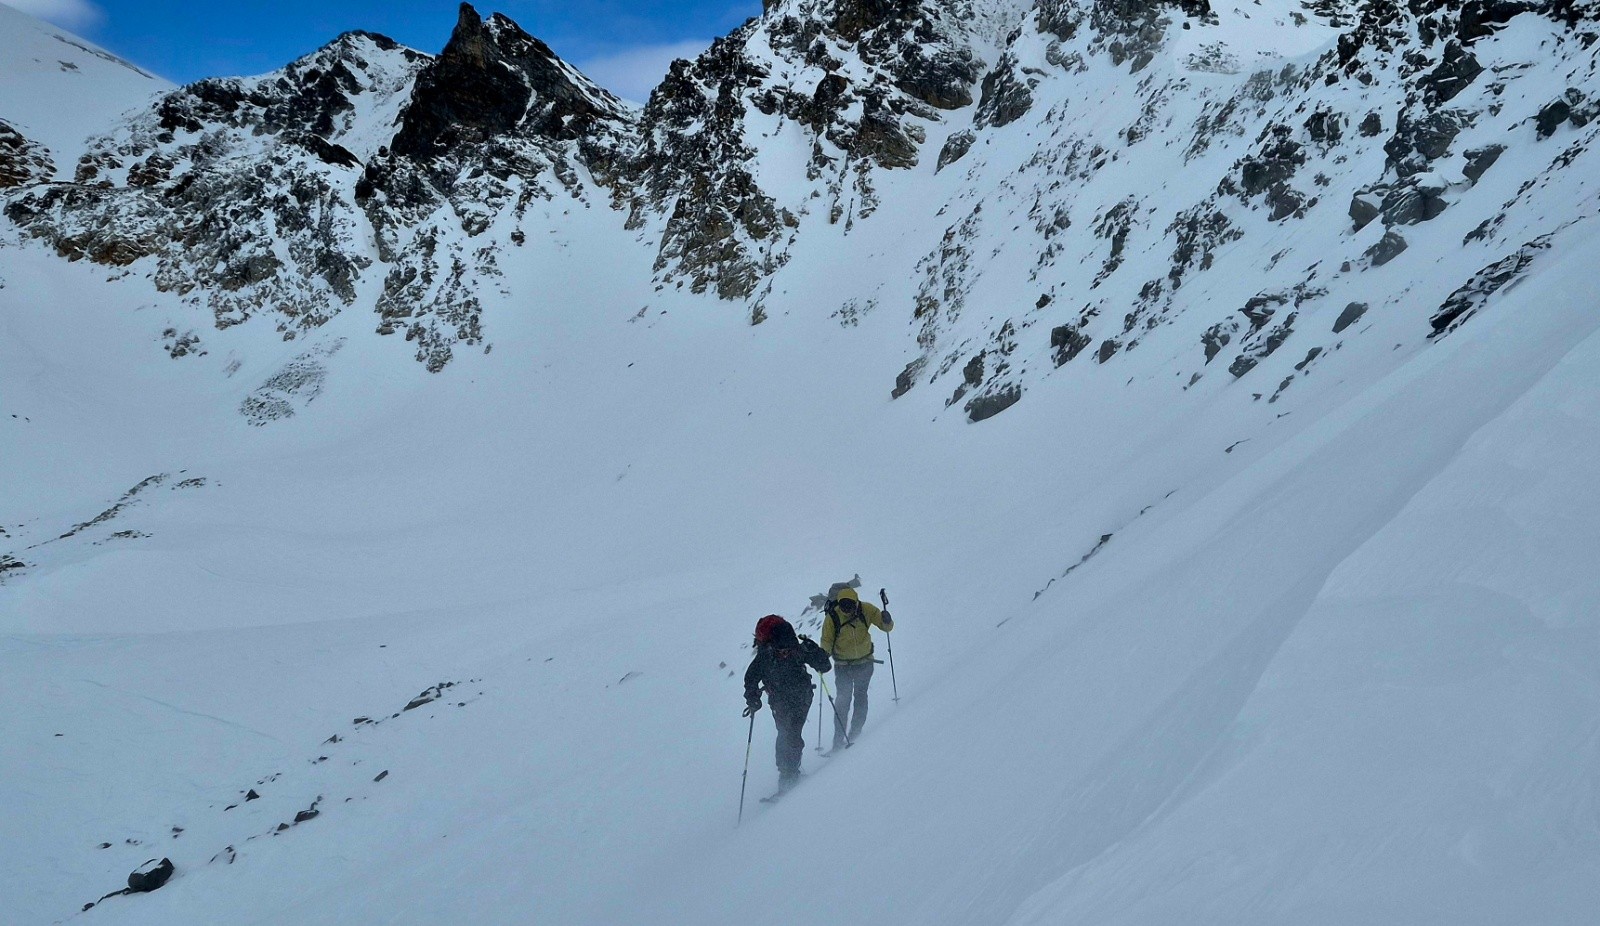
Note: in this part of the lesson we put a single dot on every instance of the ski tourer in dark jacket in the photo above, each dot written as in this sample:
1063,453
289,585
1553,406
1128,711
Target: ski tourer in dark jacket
780,668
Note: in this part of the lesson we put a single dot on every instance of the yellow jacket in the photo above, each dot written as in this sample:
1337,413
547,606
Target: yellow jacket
848,637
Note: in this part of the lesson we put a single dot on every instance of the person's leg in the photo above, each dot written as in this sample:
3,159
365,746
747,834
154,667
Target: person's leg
858,717
791,721
844,678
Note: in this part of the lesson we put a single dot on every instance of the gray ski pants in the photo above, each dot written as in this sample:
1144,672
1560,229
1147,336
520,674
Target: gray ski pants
851,700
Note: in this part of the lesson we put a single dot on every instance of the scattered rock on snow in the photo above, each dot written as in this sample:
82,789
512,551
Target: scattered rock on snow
150,876
1352,313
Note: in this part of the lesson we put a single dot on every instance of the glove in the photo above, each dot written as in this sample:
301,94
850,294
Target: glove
750,707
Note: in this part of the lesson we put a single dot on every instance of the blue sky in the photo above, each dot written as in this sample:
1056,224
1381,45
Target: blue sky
624,44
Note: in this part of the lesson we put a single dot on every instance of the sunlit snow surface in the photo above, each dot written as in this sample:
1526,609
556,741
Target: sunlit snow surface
1335,665
59,89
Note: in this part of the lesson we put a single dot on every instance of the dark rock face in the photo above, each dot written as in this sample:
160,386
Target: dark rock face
150,876
1479,160
493,80
269,241
722,228
908,378
22,162
1474,294
993,403
1387,249
1364,208
1412,203
1480,18
1267,172
955,148
257,198
723,232
1552,117
1352,313
313,96
1417,142
1067,342
1130,31
1007,95
1455,72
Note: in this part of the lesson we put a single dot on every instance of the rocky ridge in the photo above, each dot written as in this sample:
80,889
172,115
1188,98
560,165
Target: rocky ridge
1291,183
1204,172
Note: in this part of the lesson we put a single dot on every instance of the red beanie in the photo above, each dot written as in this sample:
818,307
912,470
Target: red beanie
768,626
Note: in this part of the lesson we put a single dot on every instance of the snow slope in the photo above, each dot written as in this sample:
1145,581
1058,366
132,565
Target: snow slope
1169,650
58,89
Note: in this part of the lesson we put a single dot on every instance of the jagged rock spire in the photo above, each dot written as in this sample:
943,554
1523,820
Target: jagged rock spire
494,79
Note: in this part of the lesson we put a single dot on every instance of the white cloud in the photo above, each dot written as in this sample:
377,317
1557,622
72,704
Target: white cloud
68,14
633,73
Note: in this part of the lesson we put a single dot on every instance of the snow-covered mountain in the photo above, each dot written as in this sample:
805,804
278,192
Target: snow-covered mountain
58,91
1209,381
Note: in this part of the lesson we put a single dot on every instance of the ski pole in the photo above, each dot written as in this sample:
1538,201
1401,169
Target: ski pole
883,595
749,738
835,706
819,723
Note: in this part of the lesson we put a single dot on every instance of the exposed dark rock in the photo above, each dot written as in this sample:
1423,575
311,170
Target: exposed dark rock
1485,284
1216,338
884,140
1262,347
1479,160
1198,233
1456,71
1371,126
22,162
972,373
150,876
993,403
330,153
1552,117
908,377
955,148
1007,94
1129,31
1418,141
1067,342
1284,201
1480,18
429,695
1387,249
1276,162
1364,208
1115,226
1412,203
852,18
1108,349
1325,127
1352,313
252,795
1260,309
491,80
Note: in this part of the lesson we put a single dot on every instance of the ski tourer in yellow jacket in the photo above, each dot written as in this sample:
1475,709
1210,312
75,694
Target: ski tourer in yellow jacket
847,638
846,629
